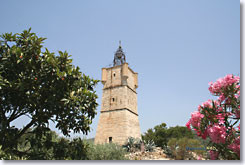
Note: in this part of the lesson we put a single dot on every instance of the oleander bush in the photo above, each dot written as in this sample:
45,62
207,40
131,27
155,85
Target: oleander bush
219,120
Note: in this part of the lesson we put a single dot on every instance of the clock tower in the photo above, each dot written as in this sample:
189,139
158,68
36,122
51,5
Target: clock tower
119,115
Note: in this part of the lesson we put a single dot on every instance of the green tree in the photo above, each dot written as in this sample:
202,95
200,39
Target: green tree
49,146
179,132
158,135
36,83
161,134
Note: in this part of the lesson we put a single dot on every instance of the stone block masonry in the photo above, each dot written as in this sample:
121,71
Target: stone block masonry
119,115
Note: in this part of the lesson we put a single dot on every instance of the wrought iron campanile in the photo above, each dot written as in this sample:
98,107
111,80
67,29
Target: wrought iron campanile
119,57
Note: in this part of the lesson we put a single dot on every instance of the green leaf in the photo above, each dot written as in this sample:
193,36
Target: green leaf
64,100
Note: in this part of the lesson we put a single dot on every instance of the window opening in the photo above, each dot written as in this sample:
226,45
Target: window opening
110,139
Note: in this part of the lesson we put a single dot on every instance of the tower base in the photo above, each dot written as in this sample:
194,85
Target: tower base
116,126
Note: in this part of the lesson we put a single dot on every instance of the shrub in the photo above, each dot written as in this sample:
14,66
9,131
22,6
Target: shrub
108,151
220,119
7,156
132,144
184,148
150,146
47,146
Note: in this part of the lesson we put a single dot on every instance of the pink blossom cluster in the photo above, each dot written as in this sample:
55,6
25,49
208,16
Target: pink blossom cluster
209,104
188,124
222,83
217,133
195,120
221,118
221,97
201,134
213,154
218,114
235,146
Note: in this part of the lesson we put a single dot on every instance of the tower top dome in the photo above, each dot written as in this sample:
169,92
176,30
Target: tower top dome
119,57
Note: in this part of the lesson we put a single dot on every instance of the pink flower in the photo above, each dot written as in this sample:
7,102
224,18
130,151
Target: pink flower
221,121
215,116
235,146
217,133
195,120
213,155
237,78
219,109
216,86
221,118
201,134
222,83
188,125
221,97
205,134
199,108
199,157
207,104
230,79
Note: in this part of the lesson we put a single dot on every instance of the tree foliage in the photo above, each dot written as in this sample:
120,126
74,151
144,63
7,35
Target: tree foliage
161,134
44,87
47,146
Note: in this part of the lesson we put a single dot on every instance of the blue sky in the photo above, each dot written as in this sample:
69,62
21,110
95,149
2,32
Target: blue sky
176,46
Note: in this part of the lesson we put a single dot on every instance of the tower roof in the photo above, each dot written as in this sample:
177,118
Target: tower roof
119,57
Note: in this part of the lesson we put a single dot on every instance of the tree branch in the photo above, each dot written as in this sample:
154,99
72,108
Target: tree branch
25,128
12,116
15,117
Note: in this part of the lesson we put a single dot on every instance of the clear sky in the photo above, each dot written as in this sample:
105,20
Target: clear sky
176,46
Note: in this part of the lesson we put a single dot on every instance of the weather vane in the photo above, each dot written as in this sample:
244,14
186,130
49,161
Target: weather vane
120,43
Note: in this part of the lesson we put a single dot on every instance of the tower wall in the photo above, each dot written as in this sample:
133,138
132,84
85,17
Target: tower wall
120,97
119,115
118,124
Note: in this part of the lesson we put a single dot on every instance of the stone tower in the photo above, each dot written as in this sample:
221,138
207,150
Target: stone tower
119,116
